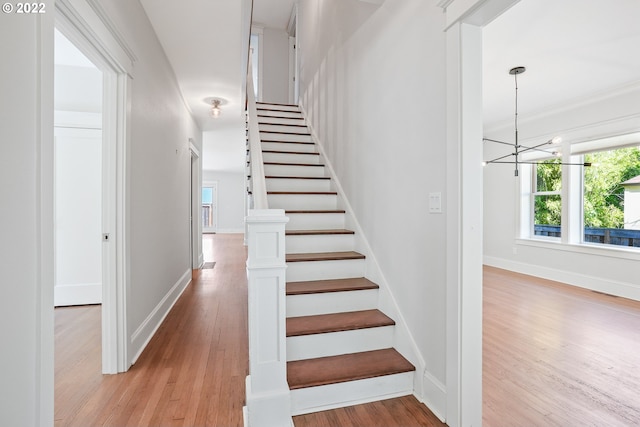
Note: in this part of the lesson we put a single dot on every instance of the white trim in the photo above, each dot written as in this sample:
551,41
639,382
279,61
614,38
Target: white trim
598,284
464,22
84,27
77,294
43,406
77,119
229,231
611,251
141,337
434,396
92,30
113,30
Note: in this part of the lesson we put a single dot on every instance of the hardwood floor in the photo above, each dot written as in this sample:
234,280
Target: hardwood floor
192,372
553,355
557,355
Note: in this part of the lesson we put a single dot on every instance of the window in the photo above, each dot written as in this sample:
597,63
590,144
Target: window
576,204
610,205
546,198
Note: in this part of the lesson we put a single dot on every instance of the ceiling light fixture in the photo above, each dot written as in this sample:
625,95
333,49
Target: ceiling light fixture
518,148
215,107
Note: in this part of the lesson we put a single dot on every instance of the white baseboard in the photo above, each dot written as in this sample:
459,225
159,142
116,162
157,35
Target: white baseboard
230,231
599,284
148,328
77,294
434,396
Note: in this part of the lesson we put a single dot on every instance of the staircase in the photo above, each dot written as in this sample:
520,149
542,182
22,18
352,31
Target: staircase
339,345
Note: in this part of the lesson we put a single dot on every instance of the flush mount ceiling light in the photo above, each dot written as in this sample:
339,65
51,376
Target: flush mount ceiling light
215,107
518,148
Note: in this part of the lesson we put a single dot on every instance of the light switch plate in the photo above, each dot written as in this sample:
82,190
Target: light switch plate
435,202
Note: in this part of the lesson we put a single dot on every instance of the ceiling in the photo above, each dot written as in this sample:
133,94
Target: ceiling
572,49
203,40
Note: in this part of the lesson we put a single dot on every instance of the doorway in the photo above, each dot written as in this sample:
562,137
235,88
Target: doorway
78,193
97,121
209,211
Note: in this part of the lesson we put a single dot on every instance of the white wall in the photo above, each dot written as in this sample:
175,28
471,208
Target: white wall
230,200
78,216
78,181
614,113
160,173
78,89
275,71
26,263
372,80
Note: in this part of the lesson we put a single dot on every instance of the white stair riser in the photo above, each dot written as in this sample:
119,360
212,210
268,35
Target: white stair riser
320,243
324,221
336,343
288,146
314,399
291,158
283,128
269,136
330,302
290,184
305,201
288,170
324,270
262,113
270,106
279,121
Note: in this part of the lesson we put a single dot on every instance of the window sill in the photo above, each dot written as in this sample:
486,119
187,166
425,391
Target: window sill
610,251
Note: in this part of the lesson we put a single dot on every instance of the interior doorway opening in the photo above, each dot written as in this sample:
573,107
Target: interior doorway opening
77,176
209,212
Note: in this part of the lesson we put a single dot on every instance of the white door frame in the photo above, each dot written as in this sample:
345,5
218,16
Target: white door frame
464,22
196,202
85,24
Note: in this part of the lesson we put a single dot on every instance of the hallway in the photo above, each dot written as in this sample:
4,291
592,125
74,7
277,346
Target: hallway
192,372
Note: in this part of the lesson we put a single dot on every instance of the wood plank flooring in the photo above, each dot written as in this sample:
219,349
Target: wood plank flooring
554,355
557,355
191,374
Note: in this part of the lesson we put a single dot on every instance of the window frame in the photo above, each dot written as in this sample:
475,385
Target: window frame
572,198
534,193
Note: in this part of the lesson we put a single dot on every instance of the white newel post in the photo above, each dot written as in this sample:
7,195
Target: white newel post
268,399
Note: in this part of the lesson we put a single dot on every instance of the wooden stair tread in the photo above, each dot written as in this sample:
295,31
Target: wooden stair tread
322,211
276,103
322,193
289,152
324,256
337,322
332,285
317,232
346,367
280,117
296,177
292,164
285,133
287,142
281,124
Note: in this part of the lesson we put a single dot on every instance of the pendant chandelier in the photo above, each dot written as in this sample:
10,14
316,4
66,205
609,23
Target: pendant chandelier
518,149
